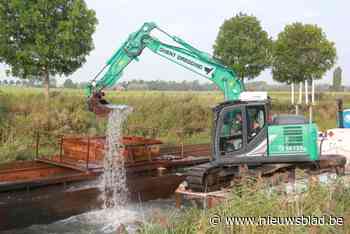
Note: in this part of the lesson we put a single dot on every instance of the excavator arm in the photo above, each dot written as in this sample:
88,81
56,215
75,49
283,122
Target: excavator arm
184,55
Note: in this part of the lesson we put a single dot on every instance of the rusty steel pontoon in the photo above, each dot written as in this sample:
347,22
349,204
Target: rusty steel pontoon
57,187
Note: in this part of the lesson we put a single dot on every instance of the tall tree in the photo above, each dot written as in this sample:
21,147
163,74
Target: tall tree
337,79
42,38
243,45
302,52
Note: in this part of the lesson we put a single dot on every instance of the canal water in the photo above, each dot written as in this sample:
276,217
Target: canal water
105,221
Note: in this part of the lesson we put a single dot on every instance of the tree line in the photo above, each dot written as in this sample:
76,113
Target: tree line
161,85
27,83
157,85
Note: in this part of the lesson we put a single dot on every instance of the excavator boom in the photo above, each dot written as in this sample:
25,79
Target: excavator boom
182,54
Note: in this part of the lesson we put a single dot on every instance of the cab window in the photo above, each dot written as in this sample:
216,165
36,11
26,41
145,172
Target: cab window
231,137
255,121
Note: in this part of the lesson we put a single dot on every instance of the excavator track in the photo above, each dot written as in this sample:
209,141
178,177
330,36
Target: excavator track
207,177
210,176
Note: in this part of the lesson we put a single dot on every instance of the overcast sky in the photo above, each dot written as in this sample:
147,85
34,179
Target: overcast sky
198,23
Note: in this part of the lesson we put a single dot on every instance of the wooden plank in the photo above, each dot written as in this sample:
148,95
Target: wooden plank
39,166
34,174
62,164
271,168
208,200
45,181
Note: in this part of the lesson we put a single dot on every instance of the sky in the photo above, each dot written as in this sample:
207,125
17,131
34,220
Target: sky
198,22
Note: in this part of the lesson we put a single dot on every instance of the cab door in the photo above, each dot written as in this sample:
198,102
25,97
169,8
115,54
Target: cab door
230,131
256,117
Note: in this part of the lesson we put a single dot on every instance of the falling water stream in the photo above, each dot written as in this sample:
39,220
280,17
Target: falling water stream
113,184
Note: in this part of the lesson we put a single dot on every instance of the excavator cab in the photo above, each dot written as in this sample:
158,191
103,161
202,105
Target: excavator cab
240,128
245,133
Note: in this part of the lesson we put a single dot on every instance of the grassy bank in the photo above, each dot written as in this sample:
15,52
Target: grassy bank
253,199
170,116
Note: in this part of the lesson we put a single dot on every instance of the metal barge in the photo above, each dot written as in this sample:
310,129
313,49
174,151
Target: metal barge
57,187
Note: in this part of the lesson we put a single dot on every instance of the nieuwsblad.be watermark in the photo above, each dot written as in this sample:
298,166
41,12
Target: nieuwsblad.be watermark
273,220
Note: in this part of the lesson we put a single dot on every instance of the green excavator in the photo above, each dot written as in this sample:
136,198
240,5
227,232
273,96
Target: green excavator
243,132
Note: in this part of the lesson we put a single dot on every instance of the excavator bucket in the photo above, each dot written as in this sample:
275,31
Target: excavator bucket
98,105
102,108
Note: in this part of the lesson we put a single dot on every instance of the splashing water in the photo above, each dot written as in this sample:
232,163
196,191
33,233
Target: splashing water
105,221
114,188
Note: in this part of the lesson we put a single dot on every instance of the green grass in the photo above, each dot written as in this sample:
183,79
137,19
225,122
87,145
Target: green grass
156,114
255,199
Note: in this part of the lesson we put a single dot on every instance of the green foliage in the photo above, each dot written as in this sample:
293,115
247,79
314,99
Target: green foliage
162,85
39,38
18,148
243,45
302,52
68,114
188,219
337,79
69,84
3,107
